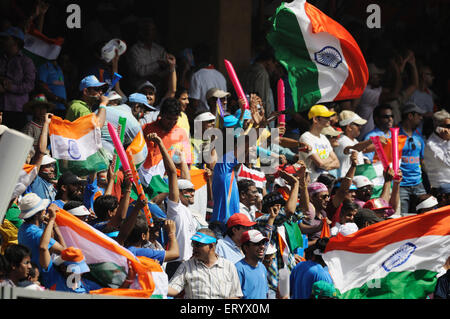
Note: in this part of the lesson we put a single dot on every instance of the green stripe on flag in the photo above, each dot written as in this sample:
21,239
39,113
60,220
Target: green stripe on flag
290,50
396,285
97,162
157,186
368,171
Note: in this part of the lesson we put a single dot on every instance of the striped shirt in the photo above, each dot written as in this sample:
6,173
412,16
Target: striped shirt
219,281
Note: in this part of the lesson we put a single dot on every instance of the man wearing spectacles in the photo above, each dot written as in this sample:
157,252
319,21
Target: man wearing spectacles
383,118
412,156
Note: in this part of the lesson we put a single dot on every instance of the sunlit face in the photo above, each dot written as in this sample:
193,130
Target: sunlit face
255,250
149,92
23,269
251,195
385,120
348,217
184,101
47,172
321,199
187,196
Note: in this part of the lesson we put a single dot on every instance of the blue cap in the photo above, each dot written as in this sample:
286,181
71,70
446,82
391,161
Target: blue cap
13,32
247,114
203,238
139,98
352,187
90,81
230,121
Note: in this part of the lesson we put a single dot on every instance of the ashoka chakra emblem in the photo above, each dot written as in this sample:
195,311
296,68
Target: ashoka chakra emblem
328,56
73,150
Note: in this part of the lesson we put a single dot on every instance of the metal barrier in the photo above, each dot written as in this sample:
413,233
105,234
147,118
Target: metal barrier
23,293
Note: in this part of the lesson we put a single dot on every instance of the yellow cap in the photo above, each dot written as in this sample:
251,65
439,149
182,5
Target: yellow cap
320,110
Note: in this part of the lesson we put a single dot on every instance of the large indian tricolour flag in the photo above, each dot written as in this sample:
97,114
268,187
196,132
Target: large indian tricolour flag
394,259
150,282
78,144
323,60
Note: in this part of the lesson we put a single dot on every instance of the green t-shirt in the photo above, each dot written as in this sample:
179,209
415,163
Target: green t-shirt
77,108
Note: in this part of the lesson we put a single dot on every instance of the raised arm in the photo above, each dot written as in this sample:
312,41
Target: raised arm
173,251
347,182
43,142
119,217
101,114
172,84
44,253
130,221
291,204
171,170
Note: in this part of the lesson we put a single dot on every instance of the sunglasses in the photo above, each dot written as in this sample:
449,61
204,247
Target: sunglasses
198,244
445,126
324,196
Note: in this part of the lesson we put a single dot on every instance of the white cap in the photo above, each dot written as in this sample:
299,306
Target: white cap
47,160
204,117
361,181
113,95
79,211
347,117
430,202
184,184
271,250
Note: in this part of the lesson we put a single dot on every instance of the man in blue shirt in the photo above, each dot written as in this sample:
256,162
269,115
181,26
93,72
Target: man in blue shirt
51,79
384,120
251,271
306,273
412,157
224,184
33,211
229,247
43,184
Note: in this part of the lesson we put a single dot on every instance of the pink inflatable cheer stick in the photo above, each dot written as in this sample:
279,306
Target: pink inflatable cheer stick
394,134
236,84
120,150
380,152
281,102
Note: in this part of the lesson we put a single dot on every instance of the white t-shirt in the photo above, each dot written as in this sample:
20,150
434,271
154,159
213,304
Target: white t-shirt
203,80
344,159
186,227
321,146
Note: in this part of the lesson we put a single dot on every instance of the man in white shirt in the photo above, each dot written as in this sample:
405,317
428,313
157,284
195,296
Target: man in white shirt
322,157
437,151
181,195
205,78
146,58
351,123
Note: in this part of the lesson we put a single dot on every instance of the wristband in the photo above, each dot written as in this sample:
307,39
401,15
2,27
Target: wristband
102,107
